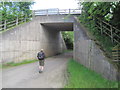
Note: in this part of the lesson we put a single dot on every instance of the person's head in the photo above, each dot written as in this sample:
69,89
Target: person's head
41,50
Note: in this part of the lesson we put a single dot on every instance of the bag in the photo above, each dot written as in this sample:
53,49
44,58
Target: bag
40,56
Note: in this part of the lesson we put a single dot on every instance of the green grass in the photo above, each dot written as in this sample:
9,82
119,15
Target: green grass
82,77
12,64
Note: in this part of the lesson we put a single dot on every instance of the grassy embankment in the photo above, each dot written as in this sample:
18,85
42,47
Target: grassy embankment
12,64
82,77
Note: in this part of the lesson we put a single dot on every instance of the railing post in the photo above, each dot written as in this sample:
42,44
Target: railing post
17,21
69,11
33,13
58,12
111,33
5,25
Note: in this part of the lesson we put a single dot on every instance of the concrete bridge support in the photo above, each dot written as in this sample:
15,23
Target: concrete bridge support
25,41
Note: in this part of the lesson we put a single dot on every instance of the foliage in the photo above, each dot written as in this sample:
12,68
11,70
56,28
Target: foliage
69,39
106,11
10,10
82,77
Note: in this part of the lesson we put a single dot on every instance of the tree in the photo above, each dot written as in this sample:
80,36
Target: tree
68,38
11,10
107,11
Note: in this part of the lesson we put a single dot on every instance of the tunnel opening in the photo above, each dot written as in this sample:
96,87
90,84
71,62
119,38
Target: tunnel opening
66,30
68,37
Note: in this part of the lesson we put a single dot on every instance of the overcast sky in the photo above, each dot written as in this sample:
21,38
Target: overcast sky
61,4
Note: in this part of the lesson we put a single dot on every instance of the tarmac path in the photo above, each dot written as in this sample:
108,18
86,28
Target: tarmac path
27,75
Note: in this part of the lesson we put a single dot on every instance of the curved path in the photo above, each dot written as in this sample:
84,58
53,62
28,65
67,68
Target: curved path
27,76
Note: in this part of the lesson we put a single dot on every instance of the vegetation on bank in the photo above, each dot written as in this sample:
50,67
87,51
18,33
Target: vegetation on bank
105,11
82,77
12,64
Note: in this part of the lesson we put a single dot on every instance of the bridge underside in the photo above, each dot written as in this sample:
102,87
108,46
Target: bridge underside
59,26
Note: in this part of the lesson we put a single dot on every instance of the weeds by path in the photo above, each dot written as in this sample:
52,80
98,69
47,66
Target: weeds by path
12,64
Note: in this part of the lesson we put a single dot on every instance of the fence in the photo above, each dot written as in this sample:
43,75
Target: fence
109,30
116,54
56,11
4,25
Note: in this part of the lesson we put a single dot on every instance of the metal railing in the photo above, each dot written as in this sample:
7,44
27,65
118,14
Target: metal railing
56,11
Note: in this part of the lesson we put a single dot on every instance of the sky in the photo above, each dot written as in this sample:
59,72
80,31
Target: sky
61,4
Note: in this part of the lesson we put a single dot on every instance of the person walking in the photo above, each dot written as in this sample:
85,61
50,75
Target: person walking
41,58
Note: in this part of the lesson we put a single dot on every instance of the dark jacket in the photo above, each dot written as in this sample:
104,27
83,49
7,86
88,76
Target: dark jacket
41,55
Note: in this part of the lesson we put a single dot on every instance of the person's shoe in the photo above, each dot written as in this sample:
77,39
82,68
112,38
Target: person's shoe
40,71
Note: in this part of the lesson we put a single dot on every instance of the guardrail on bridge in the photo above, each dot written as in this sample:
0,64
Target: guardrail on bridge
56,11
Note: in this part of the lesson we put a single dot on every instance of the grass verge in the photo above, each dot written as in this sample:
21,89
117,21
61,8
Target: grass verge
82,77
12,64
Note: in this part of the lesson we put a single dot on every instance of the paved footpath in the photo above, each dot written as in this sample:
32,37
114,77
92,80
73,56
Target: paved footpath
27,76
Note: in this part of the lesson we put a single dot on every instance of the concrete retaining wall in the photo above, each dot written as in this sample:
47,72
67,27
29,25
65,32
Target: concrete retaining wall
88,53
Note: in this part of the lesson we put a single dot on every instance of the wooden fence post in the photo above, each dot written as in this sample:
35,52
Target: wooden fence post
17,21
5,26
115,54
111,33
101,27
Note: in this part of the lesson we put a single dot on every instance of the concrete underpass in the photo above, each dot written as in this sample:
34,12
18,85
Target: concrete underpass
24,41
